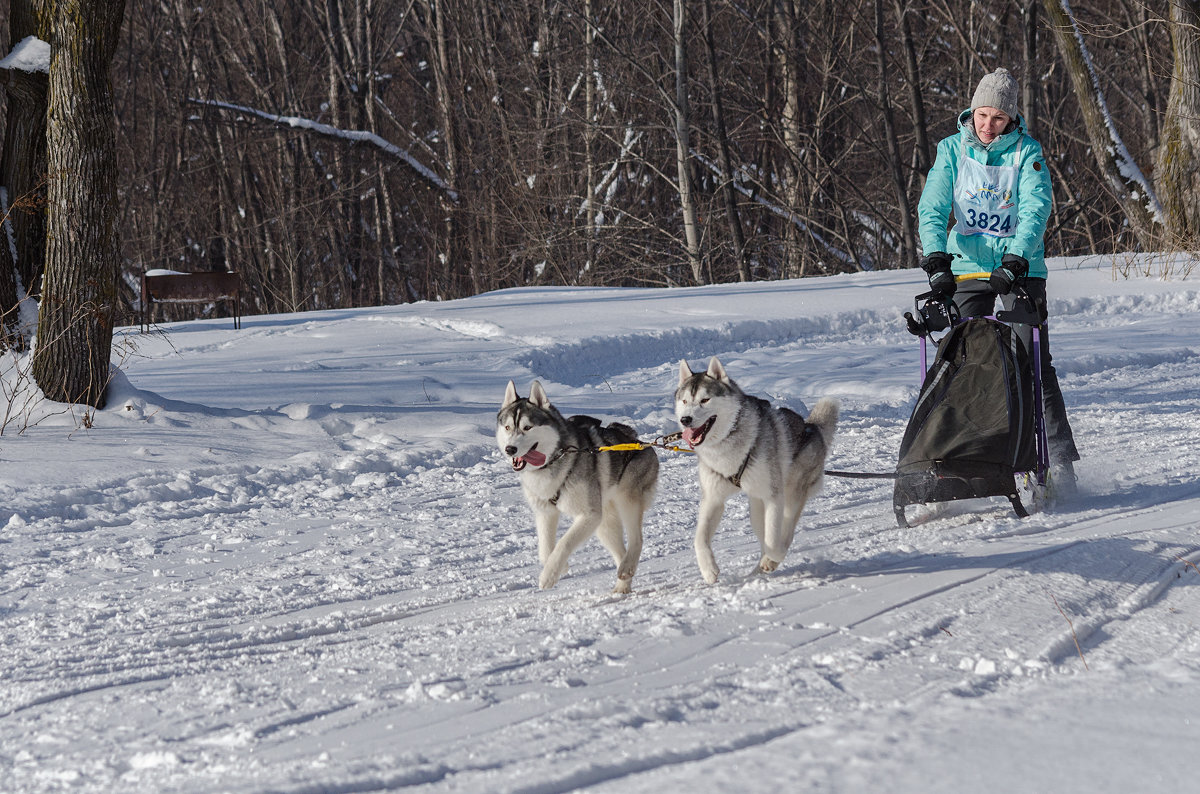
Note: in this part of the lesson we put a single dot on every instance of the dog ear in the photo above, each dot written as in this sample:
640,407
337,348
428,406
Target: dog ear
685,371
715,370
510,395
537,395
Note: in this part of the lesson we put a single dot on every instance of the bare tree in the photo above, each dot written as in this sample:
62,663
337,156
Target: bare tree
436,21
23,174
922,148
908,251
589,133
1029,51
1177,174
345,152
737,237
1130,188
682,117
789,67
75,325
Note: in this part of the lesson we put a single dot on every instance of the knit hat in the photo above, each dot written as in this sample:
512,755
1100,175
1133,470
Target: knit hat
997,90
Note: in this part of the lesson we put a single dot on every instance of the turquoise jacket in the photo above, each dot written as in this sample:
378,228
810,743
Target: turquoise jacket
979,253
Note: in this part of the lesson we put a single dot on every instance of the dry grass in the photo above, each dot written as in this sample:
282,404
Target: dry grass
1073,635
1168,265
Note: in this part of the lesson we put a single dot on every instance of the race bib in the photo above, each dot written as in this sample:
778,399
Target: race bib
985,198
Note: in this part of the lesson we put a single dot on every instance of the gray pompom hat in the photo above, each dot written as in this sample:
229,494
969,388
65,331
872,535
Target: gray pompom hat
997,90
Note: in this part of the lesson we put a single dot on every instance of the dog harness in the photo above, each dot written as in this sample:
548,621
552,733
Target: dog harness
805,436
626,458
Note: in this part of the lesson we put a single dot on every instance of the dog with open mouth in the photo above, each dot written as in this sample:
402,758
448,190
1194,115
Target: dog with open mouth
563,471
771,453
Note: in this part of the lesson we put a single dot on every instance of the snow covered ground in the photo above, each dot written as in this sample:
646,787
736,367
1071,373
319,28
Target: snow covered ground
290,559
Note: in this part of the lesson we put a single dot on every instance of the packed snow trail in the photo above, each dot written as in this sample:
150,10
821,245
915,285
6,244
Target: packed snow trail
299,565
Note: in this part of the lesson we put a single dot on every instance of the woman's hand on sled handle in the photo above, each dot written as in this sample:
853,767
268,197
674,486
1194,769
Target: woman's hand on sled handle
941,278
1012,270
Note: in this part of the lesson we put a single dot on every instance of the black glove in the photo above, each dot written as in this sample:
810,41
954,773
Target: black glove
941,277
1012,271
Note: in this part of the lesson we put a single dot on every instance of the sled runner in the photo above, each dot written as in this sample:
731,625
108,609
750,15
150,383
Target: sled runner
978,421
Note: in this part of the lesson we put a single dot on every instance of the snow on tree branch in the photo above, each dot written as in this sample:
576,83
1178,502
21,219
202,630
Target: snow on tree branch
1124,161
350,136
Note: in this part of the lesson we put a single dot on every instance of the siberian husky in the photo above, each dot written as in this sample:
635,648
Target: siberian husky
745,443
561,472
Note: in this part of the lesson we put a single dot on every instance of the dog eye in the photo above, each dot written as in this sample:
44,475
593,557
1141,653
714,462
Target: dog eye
704,401
508,428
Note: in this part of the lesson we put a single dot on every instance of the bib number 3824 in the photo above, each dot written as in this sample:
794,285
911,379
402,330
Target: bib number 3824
994,222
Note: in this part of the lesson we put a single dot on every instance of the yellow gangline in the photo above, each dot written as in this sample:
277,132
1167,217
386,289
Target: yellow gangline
637,445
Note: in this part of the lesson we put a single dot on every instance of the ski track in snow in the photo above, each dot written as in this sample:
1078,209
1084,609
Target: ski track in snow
365,618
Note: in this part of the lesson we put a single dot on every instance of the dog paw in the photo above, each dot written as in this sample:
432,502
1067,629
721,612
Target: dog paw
550,576
622,587
767,565
626,570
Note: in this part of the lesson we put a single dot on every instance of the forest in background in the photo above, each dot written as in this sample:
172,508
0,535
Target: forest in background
342,153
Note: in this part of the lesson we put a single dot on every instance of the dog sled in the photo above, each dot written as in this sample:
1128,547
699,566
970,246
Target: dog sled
978,423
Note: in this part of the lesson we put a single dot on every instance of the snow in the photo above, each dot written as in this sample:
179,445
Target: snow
30,55
290,559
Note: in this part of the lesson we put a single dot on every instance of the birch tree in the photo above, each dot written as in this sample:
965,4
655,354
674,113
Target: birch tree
682,119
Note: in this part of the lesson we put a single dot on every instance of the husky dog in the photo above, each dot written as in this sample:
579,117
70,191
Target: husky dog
561,472
744,442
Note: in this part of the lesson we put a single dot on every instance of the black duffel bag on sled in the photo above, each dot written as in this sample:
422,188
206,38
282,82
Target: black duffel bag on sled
977,423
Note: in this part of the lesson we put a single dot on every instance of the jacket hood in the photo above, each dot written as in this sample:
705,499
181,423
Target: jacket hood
1002,143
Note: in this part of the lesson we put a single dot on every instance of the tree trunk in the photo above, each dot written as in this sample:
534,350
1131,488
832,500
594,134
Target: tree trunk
1129,186
439,47
789,75
1177,173
736,236
23,176
687,202
23,180
589,134
912,71
1029,85
1148,71
908,250
75,325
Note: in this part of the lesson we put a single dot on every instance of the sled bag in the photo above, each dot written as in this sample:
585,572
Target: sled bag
973,427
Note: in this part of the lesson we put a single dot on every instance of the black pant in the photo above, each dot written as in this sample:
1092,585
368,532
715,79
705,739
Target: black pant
975,298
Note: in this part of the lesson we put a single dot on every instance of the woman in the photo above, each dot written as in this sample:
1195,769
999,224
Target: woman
992,175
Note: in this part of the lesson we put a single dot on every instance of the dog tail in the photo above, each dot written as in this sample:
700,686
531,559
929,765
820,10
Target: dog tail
824,416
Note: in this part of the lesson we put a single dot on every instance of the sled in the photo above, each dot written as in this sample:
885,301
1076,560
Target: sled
978,423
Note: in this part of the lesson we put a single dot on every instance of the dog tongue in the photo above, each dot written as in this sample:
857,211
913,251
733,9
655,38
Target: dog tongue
534,458
690,434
